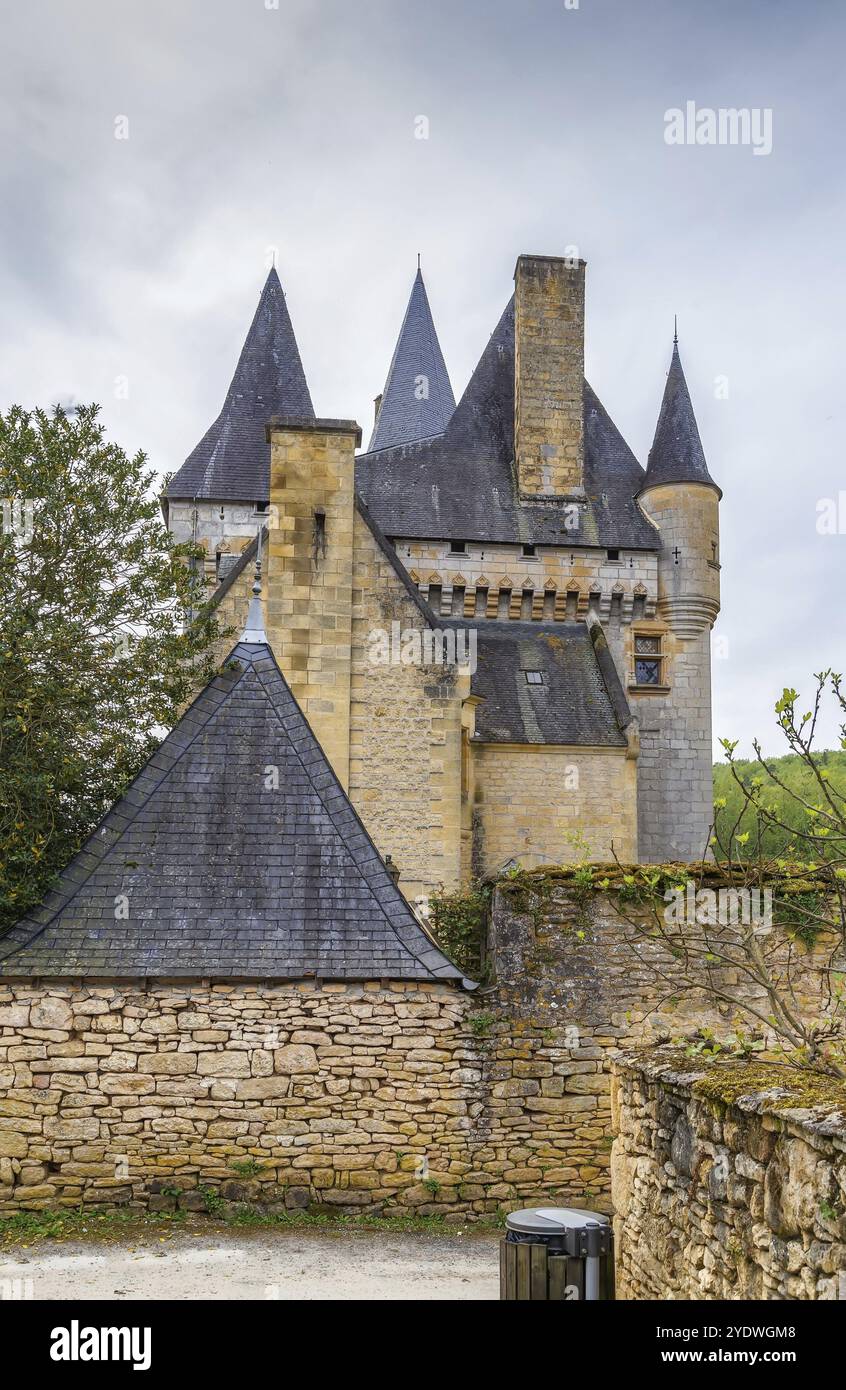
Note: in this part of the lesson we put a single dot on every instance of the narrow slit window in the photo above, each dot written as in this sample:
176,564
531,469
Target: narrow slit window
318,540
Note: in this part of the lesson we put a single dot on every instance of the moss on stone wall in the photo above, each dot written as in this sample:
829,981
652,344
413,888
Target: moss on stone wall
786,1087
728,1178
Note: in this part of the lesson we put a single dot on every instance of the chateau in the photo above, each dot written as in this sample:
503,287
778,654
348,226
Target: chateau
518,516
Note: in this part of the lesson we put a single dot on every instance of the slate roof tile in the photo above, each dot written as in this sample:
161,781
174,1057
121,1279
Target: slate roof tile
461,485
572,706
232,460
407,412
224,876
677,455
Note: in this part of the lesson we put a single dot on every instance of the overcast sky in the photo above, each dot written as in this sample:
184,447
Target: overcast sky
251,127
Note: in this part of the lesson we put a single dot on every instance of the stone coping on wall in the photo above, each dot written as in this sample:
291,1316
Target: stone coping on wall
728,1178
804,1102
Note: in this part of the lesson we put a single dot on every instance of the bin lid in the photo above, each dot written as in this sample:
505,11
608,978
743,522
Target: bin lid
549,1221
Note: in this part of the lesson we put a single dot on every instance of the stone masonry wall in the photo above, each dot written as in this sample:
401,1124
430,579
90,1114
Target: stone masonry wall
675,790
405,734
729,1180
675,773
550,805
490,580
349,1096
353,1096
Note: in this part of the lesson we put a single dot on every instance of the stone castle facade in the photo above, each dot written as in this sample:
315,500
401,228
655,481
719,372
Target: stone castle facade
519,517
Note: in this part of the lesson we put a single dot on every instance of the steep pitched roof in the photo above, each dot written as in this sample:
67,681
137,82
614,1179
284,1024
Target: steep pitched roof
461,486
677,455
238,856
231,461
403,415
572,706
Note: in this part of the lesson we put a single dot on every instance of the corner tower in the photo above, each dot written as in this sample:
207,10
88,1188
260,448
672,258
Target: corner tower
671,661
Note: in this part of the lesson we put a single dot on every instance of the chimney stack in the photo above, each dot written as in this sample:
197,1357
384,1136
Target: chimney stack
549,368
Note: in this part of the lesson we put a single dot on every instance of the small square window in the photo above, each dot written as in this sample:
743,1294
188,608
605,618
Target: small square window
529,552
458,547
534,677
613,554
647,673
648,658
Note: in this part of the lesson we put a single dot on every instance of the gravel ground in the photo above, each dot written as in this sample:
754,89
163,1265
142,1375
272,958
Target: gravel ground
279,1265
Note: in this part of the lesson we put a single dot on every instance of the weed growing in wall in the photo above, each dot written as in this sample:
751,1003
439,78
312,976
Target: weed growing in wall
459,922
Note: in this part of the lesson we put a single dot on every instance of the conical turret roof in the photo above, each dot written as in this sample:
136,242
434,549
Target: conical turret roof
231,461
676,455
417,401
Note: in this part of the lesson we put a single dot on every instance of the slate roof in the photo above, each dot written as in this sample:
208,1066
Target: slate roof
225,877
579,702
461,485
403,418
677,455
232,460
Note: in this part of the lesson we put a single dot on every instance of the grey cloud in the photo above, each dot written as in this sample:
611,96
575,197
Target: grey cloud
293,128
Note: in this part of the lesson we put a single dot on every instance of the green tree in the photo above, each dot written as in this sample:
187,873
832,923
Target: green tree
780,827
790,783
95,655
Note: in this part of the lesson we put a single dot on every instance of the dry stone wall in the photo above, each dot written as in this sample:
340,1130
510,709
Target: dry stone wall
729,1180
371,1095
352,1096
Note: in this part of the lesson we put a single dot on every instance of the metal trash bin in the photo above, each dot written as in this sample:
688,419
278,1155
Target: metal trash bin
557,1254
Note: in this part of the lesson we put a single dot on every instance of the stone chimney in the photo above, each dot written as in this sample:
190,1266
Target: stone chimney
310,571
549,363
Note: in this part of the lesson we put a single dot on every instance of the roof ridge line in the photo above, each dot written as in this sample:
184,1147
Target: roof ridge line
102,849
351,808
391,556
608,671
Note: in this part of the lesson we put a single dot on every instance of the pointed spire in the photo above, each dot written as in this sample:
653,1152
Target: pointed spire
417,401
676,455
231,461
254,633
